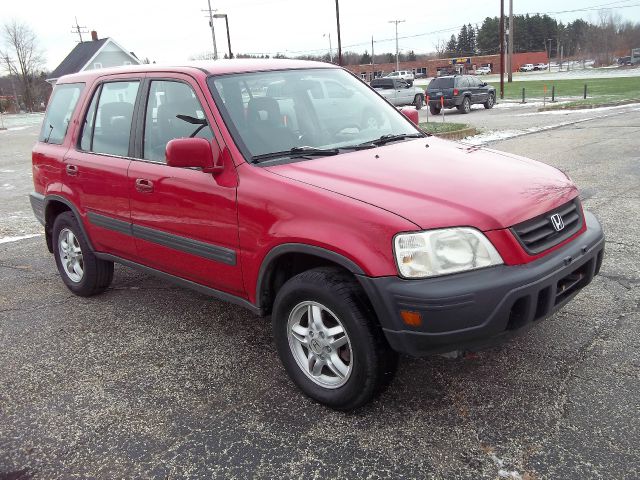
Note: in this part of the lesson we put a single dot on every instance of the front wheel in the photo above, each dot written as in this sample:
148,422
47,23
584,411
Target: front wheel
328,340
491,100
418,102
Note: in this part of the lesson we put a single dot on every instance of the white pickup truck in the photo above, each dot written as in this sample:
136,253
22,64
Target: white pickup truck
527,67
399,92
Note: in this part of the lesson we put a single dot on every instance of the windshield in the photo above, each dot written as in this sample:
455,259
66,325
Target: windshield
320,109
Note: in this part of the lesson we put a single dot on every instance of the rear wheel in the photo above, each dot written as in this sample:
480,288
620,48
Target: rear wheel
418,102
466,105
491,99
328,340
434,110
81,271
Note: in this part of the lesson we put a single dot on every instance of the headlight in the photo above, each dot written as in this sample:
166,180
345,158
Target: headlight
440,252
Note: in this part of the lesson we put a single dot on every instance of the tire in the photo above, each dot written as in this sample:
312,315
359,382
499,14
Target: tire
81,271
466,105
418,102
434,110
329,341
491,101
370,120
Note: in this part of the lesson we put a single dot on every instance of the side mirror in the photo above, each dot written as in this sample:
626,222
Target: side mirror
411,114
194,153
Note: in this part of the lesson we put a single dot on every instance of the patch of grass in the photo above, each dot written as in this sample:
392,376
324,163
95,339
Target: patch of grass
439,127
611,89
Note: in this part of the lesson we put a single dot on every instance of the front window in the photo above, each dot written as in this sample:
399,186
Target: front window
277,111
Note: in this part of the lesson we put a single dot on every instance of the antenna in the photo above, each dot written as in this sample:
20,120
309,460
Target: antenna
78,29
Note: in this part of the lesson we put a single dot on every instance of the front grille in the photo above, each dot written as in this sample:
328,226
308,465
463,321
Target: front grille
538,234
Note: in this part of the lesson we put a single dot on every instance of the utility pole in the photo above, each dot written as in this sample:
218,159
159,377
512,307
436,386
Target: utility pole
78,29
373,61
213,32
339,42
510,57
502,49
397,50
549,55
330,47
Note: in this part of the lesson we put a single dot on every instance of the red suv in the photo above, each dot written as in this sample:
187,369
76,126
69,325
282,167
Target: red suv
293,189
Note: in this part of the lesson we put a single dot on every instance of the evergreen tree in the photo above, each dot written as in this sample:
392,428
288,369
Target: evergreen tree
471,40
452,46
365,58
462,45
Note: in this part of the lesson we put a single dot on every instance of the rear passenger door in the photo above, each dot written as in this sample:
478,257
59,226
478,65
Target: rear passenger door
184,220
95,170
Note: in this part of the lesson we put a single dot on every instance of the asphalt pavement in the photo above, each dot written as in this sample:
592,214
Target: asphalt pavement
153,381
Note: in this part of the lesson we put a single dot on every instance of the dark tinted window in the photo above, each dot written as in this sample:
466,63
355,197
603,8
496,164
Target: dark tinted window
173,111
385,83
63,103
439,83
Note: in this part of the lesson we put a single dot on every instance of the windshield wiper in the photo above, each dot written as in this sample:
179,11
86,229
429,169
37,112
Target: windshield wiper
297,152
393,138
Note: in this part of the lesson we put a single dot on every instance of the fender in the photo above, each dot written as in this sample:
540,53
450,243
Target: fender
47,200
284,248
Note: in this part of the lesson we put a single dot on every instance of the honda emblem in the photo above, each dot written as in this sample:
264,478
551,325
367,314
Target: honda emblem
557,222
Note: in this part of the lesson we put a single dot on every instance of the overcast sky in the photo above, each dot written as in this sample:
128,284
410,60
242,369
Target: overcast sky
169,31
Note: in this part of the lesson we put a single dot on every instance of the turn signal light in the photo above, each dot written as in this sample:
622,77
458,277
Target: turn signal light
413,319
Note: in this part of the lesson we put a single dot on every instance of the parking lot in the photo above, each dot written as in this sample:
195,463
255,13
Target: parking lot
151,380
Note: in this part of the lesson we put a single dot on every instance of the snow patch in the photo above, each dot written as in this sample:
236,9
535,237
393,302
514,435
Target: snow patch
18,238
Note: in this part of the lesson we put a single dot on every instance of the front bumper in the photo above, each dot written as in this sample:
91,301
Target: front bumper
477,309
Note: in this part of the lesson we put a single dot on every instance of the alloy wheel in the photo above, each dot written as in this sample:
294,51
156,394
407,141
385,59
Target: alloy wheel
320,344
71,255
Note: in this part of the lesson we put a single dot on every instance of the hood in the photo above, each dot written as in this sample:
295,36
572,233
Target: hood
435,183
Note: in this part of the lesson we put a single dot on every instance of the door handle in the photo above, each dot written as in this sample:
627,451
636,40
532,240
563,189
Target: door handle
143,185
71,170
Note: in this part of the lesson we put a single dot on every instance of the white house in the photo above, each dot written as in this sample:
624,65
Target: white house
96,53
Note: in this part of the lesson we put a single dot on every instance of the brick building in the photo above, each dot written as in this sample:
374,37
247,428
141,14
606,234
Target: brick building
444,66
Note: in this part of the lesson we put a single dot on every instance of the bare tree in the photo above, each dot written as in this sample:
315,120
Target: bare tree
21,57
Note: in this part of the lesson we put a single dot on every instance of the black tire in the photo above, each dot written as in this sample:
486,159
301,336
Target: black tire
465,107
372,361
434,110
97,274
491,101
370,120
418,102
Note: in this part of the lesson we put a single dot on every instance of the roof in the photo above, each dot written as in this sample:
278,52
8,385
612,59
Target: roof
77,58
215,67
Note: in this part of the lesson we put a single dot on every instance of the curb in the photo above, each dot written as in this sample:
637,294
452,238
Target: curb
457,134
590,106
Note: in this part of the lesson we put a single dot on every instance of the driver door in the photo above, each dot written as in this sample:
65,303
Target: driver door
184,220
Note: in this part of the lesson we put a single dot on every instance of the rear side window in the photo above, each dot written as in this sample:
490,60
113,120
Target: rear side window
63,102
439,83
107,125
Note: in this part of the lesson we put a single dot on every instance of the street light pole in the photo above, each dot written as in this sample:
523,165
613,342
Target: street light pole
226,22
213,32
397,50
339,42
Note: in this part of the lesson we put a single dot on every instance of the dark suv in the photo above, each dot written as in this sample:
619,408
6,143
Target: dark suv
460,91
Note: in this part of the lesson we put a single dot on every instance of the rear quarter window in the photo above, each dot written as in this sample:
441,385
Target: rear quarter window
56,122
